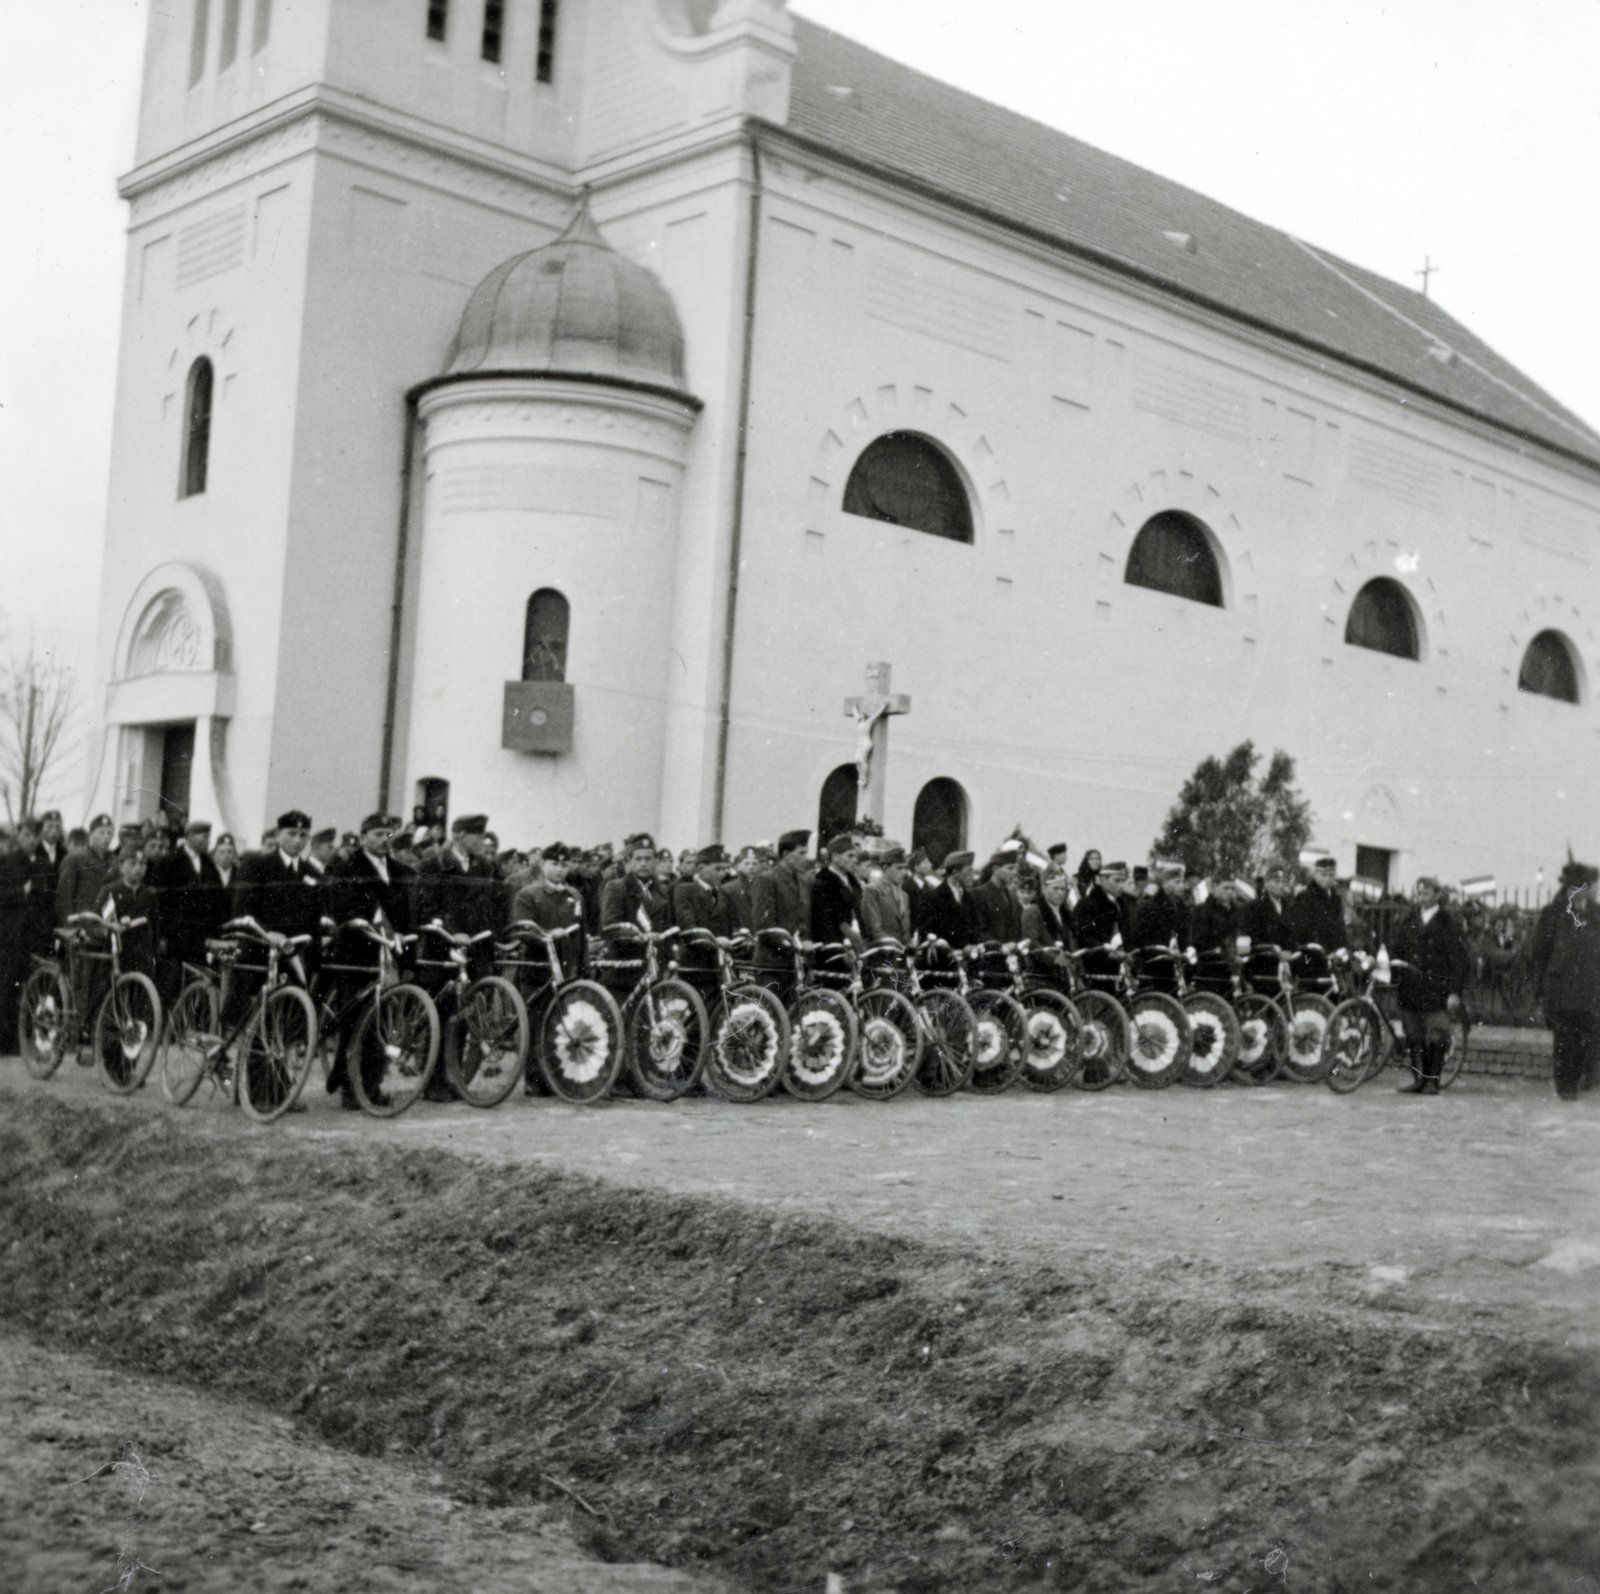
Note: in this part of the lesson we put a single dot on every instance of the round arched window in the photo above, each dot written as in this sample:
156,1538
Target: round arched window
544,636
908,481
1548,668
939,820
1173,553
1382,618
836,808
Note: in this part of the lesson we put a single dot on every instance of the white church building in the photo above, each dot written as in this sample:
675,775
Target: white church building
553,407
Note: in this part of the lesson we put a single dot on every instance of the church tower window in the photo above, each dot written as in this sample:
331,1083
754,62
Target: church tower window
197,41
1548,669
939,820
494,28
1381,618
196,430
908,481
228,50
438,18
836,808
544,636
1173,553
263,27
545,68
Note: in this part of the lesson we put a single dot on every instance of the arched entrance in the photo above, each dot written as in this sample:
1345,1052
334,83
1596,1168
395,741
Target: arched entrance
939,821
836,808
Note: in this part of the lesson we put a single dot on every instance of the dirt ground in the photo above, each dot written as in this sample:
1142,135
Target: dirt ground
207,1494
1254,1339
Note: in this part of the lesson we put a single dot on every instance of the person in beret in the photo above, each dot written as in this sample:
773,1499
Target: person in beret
194,905
736,890
552,904
780,897
1316,915
632,898
459,890
698,903
999,906
323,849
836,895
81,877
950,912
278,889
885,905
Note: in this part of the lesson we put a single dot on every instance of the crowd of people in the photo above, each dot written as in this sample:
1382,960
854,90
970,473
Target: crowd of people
186,884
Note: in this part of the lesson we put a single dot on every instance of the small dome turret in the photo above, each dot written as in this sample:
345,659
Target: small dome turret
573,307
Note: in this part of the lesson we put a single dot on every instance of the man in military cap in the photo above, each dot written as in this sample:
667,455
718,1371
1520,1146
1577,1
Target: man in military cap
885,907
1161,916
82,875
780,898
836,895
632,898
1430,987
698,902
459,890
278,888
737,889
373,886
323,850
549,902
1316,915
951,914
996,897
1268,917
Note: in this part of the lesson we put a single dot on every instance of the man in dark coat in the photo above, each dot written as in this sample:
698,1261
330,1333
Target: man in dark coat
885,908
736,889
836,896
460,889
14,877
193,908
997,901
1267,920
1430,942
781,899
1565,954
368,885
632,897
82,874
551,903
278,888
1316,915
950,912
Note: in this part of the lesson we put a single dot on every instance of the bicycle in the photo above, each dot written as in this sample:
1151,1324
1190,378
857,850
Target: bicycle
1000,1040
127,1025
823,1032
1282,1032
1054,1054
278,1027
1360,1041
1214,1029
1107,1028
946,1026
47,1014
1160,1037
486,1034
665,1027
396,1038
577,1024
749,1027
890,1030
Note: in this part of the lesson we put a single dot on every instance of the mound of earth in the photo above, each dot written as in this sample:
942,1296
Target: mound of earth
701,1384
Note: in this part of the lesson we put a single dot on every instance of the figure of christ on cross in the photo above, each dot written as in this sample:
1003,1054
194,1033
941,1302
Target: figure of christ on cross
871,713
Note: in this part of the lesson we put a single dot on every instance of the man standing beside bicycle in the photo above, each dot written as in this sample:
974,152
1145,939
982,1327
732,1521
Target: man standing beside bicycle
371,886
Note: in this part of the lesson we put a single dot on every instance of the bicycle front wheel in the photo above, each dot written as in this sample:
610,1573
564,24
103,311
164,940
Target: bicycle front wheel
1308,1028
192,1039
1001,1050
1055,1041
666,1029
1351,1044
45,1021
278,1053
948,1029
890,1047
1162,1040
1217,1039
822,1044
127,1033
1107,1039
1263,1040
749,1041
486,1042
395,1047
581,1042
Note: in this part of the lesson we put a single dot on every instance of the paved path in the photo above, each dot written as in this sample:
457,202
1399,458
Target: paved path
1481,1202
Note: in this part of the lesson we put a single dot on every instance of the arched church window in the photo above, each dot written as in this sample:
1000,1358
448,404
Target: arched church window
1173,553
939,820
1381,618
544,636
1548,668
545,66
196,429
438,18
197,41
836,808
908,481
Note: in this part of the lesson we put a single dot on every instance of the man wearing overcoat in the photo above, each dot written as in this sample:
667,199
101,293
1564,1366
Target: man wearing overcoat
781,898
1429,941
885,907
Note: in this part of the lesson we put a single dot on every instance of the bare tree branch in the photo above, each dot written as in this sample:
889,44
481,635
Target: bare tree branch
37,697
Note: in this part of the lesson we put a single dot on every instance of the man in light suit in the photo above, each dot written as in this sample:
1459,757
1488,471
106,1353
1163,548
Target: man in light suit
885,906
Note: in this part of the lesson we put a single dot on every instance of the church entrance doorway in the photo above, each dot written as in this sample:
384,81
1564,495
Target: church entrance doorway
939,821
836,809
1373,863
177,767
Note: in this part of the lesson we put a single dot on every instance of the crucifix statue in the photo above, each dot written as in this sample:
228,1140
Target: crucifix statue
871,713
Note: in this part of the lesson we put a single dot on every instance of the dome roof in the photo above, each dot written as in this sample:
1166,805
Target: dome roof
575,306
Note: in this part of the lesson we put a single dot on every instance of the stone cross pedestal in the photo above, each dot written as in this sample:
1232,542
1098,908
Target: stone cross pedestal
871,713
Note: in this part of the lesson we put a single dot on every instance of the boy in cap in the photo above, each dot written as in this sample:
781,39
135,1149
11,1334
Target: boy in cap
552,904
885,906
950,912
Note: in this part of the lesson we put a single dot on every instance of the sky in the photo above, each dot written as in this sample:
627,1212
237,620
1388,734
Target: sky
1462,131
